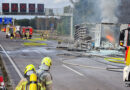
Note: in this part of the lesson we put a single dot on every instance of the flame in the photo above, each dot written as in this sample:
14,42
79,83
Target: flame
110,38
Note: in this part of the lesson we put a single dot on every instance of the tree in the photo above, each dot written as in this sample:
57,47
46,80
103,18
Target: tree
63,27
23,22
33,23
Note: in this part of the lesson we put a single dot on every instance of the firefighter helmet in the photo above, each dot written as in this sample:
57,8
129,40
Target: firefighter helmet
47,61
29,67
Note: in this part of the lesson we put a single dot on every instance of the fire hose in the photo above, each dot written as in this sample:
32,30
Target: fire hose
93,67
115,60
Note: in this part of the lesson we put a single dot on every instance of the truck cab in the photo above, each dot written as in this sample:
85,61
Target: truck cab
27,32
124,41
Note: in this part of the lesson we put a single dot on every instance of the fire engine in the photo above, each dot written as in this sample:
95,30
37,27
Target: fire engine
124,41
3,29
19,32
27,32
10,31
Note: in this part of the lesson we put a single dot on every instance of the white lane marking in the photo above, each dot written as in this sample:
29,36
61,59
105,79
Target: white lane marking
84,66
17,70
73,70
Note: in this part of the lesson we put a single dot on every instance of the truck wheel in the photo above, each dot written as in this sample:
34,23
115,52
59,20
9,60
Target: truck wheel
30,36
127,84
7,36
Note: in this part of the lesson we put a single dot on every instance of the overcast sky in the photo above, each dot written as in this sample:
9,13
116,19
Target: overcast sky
48,3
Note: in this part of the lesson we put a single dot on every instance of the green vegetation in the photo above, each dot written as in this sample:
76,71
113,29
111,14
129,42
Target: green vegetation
63,27
23,22
39,23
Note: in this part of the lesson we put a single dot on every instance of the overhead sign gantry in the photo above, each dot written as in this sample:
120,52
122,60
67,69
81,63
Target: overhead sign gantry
22,8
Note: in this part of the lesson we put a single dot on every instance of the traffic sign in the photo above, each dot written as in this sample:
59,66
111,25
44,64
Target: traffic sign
0,20
7,20
5,7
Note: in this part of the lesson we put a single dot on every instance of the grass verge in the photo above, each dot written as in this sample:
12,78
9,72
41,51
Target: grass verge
5,75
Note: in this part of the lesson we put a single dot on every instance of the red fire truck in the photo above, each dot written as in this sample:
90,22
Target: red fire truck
3,29
124,41
27,32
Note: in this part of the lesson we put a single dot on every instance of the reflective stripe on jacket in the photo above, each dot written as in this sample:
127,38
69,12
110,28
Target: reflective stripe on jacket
45,78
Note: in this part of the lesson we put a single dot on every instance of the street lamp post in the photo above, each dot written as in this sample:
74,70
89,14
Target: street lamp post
71,25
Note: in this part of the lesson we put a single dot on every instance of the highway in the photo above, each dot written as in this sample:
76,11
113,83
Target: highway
90,75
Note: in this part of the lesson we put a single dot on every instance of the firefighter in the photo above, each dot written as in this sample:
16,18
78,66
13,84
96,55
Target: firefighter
44,75
25,35
7,31
42,36
30,80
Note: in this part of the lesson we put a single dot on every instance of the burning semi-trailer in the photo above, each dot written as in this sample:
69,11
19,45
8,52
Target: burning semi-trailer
92,36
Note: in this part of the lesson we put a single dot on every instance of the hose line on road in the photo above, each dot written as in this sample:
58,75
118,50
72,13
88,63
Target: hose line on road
115,60
93,67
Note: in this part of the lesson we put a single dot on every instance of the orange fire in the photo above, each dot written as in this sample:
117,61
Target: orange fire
110,38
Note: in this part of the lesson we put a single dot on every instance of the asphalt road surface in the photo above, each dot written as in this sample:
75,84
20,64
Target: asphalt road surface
91,75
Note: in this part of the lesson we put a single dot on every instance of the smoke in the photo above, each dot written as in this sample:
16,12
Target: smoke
109,8
96,11
124,12
87,11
